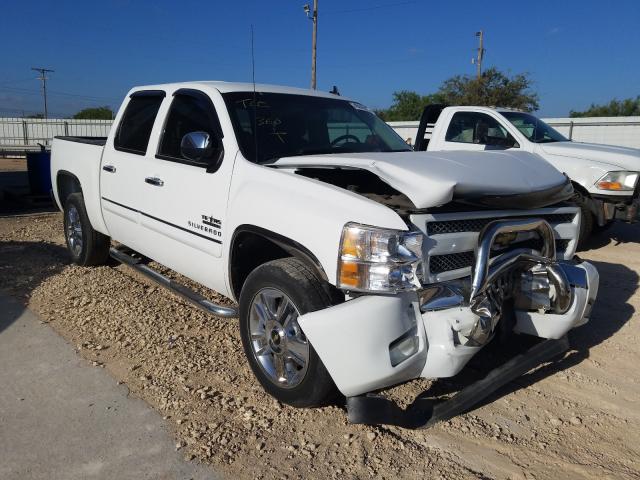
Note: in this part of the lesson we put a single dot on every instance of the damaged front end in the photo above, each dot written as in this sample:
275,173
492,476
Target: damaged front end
516,283
520,279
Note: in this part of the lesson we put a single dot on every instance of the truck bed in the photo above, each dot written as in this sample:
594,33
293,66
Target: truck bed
90,140
79,158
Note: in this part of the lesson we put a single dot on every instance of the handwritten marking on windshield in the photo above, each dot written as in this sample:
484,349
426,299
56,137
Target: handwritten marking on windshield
249,102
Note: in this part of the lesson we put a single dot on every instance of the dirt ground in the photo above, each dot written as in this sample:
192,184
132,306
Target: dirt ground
13,165
576,418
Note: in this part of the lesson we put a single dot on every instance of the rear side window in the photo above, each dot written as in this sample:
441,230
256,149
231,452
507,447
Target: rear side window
473,127
192,112
137,121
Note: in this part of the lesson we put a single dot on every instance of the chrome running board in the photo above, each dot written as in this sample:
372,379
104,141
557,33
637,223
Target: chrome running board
182,291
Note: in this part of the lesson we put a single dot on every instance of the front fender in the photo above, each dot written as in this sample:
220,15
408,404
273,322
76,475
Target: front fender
301,209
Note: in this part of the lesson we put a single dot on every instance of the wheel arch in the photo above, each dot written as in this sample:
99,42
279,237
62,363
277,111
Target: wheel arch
66,184
261,245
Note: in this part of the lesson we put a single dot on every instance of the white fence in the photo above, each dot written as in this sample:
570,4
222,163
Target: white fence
622,131
16,133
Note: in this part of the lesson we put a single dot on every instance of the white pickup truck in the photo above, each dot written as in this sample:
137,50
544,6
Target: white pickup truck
604,177
356,262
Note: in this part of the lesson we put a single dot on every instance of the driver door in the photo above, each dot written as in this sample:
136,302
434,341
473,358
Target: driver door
185,201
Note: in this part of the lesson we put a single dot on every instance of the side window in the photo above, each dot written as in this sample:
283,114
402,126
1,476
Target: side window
479,128
188,113
137,121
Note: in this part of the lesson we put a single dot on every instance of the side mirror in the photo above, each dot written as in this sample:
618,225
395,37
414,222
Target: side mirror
197,146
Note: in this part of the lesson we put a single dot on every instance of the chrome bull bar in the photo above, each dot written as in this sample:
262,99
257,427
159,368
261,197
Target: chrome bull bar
481,274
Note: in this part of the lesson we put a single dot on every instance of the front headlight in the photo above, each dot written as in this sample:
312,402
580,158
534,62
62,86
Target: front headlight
378,259
618,181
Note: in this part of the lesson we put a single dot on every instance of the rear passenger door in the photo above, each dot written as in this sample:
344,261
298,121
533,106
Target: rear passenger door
476,131
122,166
184,207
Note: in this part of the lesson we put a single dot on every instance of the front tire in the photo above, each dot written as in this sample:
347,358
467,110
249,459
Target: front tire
281,357
86,246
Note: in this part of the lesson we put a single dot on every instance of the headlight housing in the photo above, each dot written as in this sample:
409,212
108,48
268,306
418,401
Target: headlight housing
378,259
618,181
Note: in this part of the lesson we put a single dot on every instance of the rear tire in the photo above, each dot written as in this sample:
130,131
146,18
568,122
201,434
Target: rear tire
86,246
282,359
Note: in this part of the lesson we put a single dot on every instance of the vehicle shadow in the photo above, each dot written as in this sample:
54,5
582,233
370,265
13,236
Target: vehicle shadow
24,266
609,315
619,233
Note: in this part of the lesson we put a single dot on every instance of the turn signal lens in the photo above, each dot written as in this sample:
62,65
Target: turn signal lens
610,185
618,181
379,260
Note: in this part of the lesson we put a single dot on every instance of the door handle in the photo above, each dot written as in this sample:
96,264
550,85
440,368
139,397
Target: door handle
154,181
109,168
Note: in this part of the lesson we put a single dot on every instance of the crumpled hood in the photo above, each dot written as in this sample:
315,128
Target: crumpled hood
623,158
430,179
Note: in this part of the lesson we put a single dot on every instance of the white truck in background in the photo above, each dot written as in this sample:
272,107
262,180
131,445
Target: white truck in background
356,262
604,177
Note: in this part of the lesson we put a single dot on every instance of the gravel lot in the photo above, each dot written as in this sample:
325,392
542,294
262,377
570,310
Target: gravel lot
577,418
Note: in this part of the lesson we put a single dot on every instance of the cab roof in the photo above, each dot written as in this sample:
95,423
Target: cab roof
227,87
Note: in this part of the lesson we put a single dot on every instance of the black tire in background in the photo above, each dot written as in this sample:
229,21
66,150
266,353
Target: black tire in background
85,245
301,286
587,221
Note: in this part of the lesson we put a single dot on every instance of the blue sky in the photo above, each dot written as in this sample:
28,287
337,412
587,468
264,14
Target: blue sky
577,51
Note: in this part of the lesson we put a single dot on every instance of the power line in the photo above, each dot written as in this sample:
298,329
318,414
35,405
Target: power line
43,77
58,93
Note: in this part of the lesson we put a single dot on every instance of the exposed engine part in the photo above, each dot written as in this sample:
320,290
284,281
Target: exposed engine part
535,290
362,182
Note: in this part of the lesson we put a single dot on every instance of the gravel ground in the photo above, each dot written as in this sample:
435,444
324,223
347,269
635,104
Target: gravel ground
576,418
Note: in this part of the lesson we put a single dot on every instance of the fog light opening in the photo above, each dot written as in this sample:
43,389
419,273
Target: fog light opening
404,347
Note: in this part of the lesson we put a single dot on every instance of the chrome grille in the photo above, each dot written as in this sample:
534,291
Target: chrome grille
456,261
477,224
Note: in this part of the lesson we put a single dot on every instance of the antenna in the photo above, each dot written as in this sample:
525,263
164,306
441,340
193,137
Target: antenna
255,103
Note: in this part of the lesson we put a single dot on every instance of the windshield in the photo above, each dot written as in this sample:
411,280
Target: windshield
533,128
289,125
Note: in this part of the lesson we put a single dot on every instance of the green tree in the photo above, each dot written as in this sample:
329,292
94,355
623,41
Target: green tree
494,88
615,108
95,113
407,105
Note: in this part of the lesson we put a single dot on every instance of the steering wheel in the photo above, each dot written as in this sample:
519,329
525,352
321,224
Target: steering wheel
345,137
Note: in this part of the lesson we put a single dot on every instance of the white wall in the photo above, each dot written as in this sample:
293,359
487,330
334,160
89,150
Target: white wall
28,132
623,131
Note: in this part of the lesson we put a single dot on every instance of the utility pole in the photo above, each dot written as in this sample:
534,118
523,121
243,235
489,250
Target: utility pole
313,16
43,77
478,60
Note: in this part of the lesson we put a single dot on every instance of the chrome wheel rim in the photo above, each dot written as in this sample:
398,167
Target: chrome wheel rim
277,341
74,230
